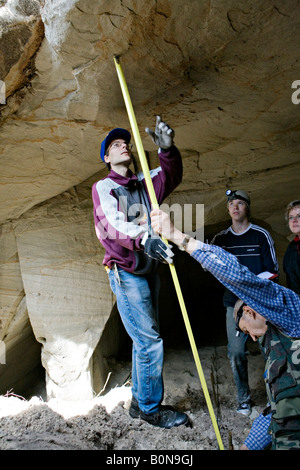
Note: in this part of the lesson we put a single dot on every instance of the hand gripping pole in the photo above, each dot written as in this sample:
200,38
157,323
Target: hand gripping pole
154,203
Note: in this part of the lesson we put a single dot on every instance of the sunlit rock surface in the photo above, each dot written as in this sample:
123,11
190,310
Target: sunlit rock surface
220,73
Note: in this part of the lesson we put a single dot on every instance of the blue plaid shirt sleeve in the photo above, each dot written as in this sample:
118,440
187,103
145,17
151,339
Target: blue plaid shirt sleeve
276,303
259,437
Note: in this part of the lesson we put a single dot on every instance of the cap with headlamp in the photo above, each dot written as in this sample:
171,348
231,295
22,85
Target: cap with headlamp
238,194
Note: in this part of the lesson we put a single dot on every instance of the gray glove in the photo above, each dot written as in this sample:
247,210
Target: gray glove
156,248
163,135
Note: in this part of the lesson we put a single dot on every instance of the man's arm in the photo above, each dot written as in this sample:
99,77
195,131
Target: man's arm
169,175
268,253
276,303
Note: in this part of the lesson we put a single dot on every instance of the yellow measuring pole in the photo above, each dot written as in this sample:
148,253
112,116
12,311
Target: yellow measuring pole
154,203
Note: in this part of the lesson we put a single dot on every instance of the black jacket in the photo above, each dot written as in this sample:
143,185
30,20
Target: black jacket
253,248
291,265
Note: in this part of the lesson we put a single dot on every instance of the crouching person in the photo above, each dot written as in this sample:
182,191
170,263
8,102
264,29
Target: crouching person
269,313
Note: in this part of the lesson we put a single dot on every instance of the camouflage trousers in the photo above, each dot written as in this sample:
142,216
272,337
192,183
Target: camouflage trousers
285,425
289,441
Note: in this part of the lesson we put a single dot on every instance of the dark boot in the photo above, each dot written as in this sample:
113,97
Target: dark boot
166,418
135,412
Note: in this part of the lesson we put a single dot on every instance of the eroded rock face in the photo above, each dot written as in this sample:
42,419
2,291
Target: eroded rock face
219,72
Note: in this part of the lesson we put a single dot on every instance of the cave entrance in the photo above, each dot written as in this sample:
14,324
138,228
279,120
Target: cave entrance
22,373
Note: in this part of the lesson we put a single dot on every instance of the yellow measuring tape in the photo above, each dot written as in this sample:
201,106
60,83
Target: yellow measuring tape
153,199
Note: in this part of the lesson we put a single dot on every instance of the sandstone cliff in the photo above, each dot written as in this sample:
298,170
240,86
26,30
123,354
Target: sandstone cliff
219,72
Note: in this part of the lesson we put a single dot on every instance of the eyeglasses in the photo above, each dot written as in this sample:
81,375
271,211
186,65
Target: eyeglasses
295,217
118,144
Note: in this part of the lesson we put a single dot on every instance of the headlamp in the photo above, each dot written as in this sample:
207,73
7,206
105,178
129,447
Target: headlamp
238,194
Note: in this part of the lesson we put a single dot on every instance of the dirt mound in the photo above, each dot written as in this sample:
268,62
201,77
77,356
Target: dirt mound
106,425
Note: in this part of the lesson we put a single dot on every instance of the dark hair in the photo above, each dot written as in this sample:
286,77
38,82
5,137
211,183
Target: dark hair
238,313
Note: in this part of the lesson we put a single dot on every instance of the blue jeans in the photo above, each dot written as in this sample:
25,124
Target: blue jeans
237,351
137,302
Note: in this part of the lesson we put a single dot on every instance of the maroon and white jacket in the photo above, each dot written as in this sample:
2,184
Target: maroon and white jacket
122,211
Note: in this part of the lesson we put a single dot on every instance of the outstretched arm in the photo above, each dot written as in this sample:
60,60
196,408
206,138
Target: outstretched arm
276,303
162,224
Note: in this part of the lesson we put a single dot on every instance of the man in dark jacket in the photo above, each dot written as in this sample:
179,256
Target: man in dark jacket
132,254
254,248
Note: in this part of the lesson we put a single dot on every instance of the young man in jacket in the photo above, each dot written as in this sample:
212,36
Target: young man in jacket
132,255
267,312
254,248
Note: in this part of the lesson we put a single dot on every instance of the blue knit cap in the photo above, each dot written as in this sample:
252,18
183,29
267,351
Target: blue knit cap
113,135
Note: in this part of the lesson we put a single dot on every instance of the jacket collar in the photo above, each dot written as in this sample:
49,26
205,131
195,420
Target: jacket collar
123,180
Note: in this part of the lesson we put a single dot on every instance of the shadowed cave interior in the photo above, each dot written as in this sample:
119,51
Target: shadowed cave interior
203,300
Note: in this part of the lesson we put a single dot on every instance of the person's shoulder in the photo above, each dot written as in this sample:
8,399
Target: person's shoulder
259,230
105,184
221,235
292,246
94,186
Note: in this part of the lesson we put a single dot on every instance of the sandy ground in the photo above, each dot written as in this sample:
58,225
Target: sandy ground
104,423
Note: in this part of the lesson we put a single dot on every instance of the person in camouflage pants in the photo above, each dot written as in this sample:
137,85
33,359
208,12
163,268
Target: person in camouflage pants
282,378
279,424
267,312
